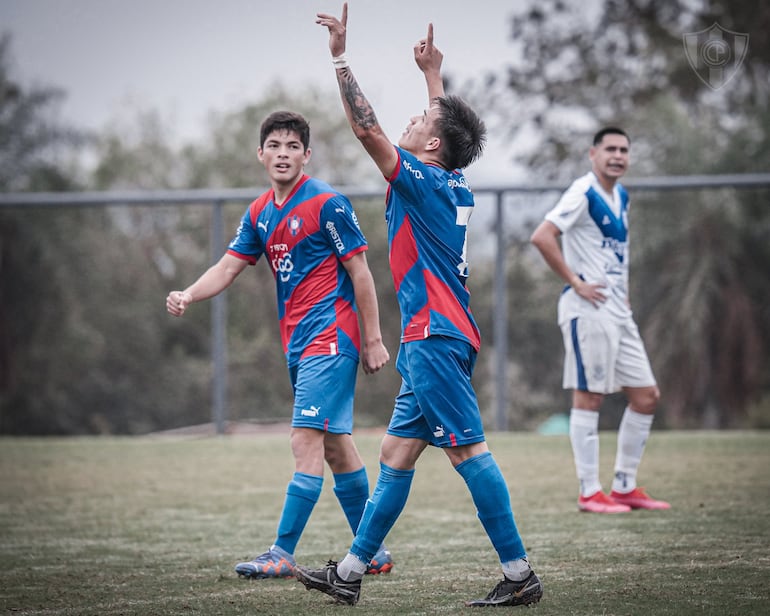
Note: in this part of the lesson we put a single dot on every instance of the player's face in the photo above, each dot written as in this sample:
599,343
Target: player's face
420,131
283,156
609,157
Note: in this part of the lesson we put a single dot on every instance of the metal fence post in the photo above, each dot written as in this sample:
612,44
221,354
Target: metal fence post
218,327
500,319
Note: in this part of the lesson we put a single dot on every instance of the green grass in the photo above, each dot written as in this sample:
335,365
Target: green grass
138,526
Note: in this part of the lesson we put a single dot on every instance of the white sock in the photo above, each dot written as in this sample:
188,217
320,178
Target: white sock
517,570
584,436
632,437
351,568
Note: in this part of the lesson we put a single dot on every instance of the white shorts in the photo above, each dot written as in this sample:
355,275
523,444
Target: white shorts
603,356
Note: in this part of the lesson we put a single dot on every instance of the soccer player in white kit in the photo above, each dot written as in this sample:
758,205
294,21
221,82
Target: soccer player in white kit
604,352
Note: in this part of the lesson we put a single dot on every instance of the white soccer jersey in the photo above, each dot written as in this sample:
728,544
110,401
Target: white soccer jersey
594,226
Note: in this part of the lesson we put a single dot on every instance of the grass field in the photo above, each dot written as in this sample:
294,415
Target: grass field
154,525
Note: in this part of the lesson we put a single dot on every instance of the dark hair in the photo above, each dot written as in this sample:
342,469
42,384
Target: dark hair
288,121
463,134
609,130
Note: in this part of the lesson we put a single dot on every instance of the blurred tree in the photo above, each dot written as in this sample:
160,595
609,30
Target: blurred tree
81,314
578,67
34,147
228,155
137,153
33,155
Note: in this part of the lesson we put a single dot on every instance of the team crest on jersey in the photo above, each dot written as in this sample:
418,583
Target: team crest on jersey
294,223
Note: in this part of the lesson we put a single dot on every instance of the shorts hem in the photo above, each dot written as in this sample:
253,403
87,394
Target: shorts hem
608,392
320,428
442,444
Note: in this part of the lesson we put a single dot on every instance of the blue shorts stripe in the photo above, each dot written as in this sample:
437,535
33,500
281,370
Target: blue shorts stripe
582,382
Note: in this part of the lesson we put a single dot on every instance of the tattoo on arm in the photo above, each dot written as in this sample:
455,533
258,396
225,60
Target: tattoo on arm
360,109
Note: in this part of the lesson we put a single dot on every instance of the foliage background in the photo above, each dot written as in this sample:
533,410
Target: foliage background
85,343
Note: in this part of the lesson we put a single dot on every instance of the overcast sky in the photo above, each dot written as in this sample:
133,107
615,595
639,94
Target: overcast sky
188,57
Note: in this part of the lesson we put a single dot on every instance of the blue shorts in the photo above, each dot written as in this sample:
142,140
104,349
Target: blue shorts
324,386
437,402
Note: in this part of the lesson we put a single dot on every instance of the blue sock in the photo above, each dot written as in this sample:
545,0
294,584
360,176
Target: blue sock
302,494
352,490
382,511
493,504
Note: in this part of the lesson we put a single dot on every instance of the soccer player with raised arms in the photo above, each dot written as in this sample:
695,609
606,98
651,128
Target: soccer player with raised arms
309,235
604,352
428,206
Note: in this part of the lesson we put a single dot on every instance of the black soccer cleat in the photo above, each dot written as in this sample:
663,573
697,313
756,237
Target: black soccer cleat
327,581
508,592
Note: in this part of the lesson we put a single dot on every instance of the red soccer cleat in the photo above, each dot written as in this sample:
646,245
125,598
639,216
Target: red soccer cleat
599,502
638,499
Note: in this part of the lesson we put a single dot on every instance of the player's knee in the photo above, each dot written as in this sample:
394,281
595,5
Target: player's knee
332,456
341,454
587,400
306,442
645,401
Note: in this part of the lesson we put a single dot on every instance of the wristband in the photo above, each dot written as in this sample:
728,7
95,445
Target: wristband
340,61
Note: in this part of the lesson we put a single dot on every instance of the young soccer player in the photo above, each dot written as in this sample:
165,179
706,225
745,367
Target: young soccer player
603,348
428,207
310,238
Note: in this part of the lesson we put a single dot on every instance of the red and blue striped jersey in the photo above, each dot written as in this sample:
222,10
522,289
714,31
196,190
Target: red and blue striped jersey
427,212
305,240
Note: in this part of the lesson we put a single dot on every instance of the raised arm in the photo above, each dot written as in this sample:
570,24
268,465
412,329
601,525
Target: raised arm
429,58
359,112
